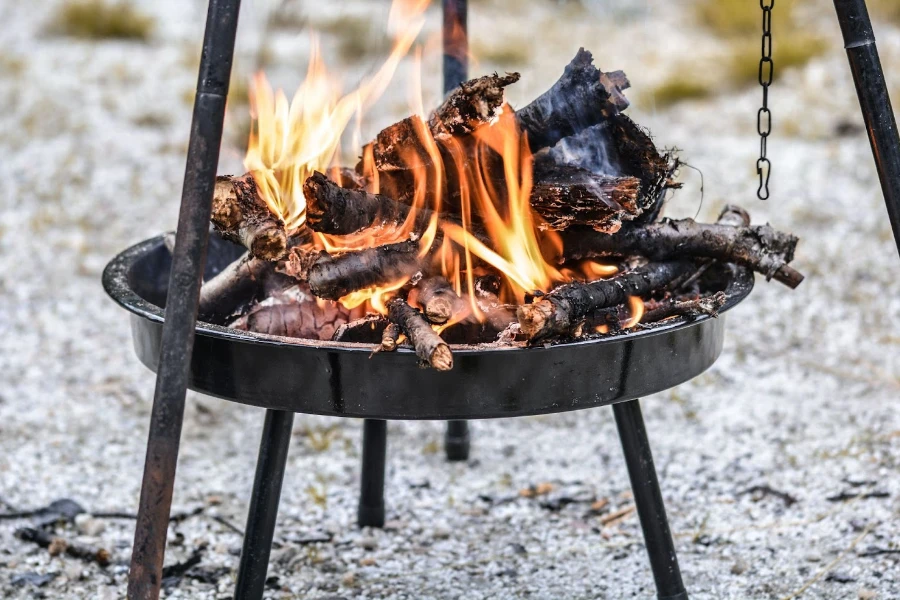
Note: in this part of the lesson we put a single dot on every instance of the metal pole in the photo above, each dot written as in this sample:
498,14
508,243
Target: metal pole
859,40
456,68
648,500
371,495
273,453
188,259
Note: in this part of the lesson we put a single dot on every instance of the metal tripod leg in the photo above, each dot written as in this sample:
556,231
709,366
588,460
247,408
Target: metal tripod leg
649,502
371,494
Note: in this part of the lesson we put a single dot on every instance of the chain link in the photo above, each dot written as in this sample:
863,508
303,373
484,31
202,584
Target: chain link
764,116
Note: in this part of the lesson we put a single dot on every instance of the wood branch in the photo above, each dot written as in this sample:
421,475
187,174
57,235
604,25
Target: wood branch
57,545
294,313
582,97
758,247
437,299
233,288
705,305
336,210
332,277
242,216
390,338
566,195
429,346
365,330
561,311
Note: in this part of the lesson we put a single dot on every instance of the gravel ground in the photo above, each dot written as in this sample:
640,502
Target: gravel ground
803,400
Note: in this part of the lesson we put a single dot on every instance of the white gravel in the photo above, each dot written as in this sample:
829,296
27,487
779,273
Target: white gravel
92,140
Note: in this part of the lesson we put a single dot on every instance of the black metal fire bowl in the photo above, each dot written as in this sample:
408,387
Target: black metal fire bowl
340,379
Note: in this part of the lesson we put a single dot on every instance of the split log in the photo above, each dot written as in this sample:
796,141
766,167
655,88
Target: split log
706,305
560,312
758,247
566,195
429,346
582,97
333,277
242,216
57,545
363,331
437,299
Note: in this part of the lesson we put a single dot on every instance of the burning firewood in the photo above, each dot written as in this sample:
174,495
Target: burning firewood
429,346
438,299
705,305
242,216
294,313
582,97
222,296
333,277
362,330
758,247
559,312
390,338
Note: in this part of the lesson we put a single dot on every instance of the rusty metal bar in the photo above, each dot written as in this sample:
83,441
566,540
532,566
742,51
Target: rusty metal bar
188,259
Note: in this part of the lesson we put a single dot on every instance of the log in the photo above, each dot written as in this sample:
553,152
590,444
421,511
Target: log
57,545
333,277
561,311
567,195
294,313
705,305
429,346
233,288
582,97
758,247
240,215
390,338
437,299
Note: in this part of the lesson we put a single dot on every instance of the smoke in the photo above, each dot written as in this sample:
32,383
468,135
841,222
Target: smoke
591,149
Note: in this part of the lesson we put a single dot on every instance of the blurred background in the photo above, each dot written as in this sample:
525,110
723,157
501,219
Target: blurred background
95,105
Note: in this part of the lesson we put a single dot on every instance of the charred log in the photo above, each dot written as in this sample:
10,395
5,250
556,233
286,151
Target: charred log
561,311
759,247
706,305
429,346
437,299
236,285
332,277
240,215
390,338
582,97
294,313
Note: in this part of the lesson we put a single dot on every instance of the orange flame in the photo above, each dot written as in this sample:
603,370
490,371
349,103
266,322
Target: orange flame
635,312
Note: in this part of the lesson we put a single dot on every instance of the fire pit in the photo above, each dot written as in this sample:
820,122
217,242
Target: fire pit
341,379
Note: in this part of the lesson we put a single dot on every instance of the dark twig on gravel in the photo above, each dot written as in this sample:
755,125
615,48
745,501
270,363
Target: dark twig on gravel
853,496
764,490
57,545
180,568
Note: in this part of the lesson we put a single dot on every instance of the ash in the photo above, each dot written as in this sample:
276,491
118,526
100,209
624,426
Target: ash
803,400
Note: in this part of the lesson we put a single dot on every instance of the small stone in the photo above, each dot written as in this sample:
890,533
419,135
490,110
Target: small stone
866,594
88,525
367,561
368,542
441,533
57,546
739,567
349,579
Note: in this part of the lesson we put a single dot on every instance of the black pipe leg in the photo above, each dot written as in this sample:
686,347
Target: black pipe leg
273,452
648,500
456,440
371,493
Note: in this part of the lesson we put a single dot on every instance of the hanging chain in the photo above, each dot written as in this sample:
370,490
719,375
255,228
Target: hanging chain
764,116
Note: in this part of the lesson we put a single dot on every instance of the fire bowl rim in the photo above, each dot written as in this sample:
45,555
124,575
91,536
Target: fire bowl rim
115,283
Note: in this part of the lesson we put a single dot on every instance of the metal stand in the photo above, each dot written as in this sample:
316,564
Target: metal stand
371,494
273,452
859,40
456,441
188,259
649,502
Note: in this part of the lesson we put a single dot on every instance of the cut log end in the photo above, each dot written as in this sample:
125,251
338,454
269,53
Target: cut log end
240,215
269,242
441,358
533,318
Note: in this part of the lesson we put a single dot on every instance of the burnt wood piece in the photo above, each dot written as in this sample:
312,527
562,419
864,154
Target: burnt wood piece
706,305
298,261
390,337
294,313
332,277
561,311
240,215
57,545
336,210
437,299
759,247
582,97
566,195
235,286
365,330
429,346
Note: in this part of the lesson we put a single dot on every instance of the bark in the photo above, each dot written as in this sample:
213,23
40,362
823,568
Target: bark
295,313
233,288
390,338
582,97
242,216
332,277
566,195
706,305
759,247
365,330
56,545
429,346
561,311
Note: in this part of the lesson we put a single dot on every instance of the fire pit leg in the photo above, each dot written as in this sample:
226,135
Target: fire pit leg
859,40
188,259
649,502
273,452
371,494
456,441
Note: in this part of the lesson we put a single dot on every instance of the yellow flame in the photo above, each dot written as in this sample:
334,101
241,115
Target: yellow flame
635,311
